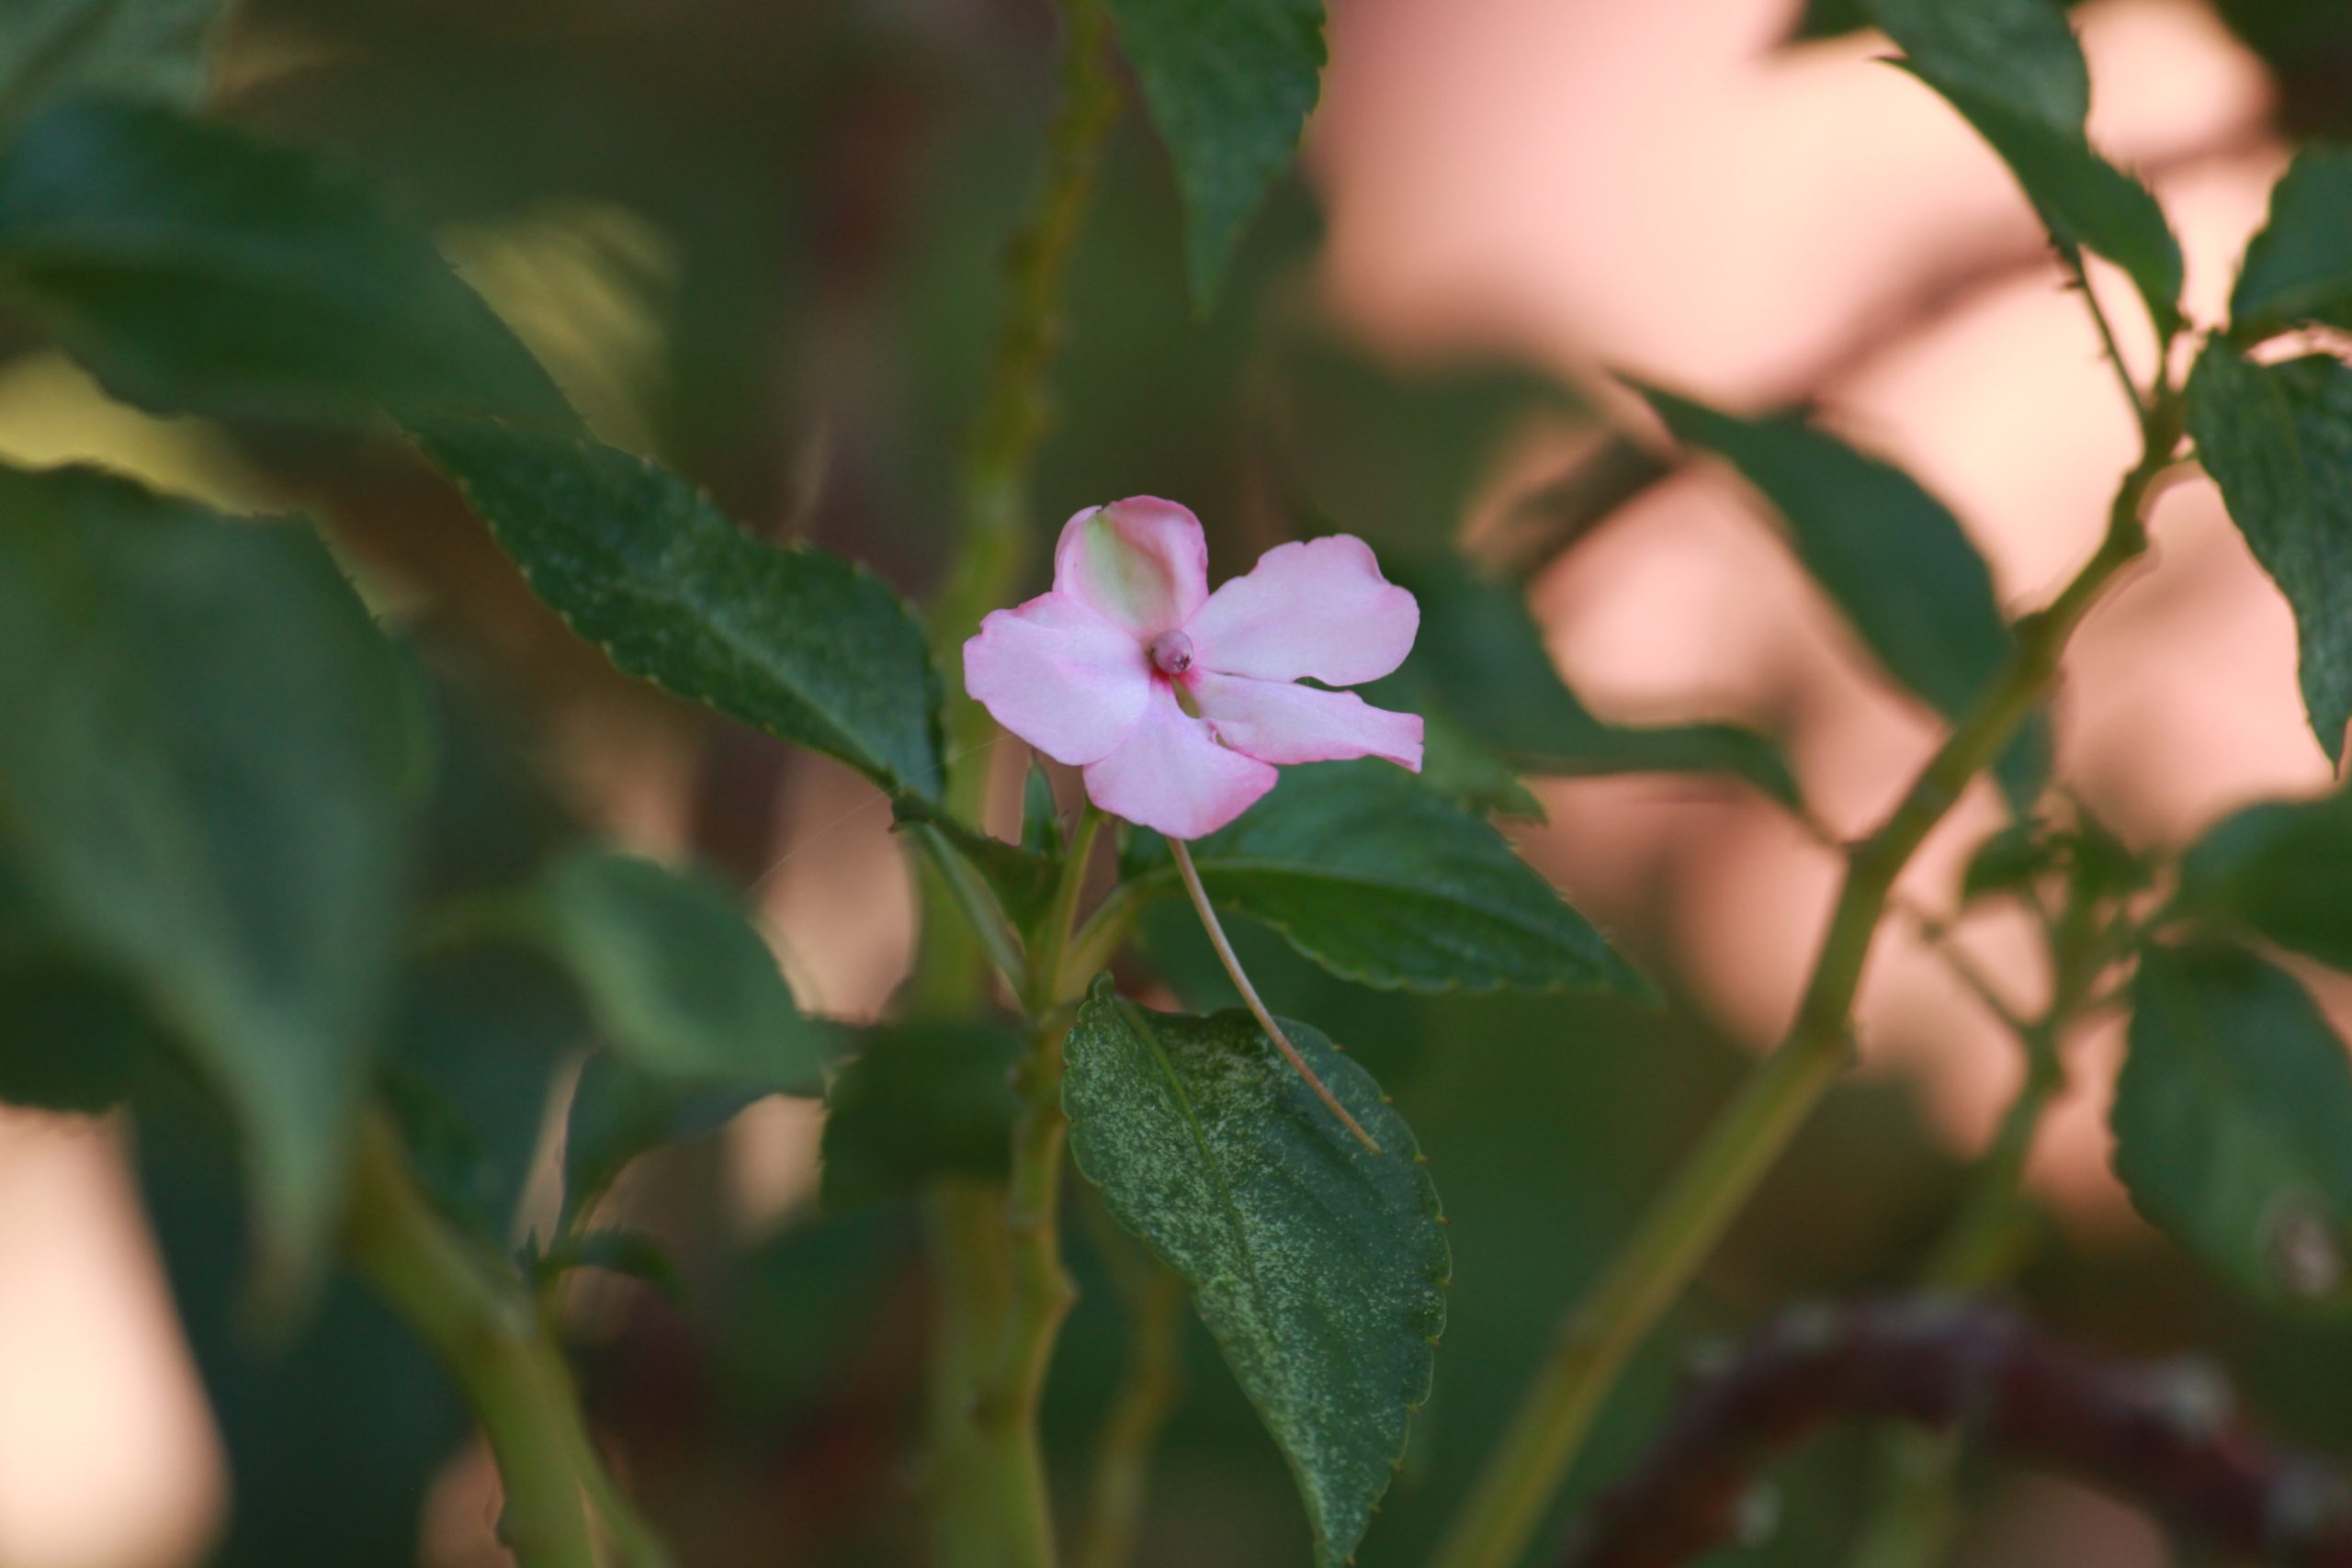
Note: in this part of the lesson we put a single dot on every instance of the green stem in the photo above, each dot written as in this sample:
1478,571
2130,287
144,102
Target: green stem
481,1321
969,1238
1714,1185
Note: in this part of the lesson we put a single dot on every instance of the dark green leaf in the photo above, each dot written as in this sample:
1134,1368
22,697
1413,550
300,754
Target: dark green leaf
2018,53
799,642
209,753
1891,557
675,979
2233,1121
2086,202
2281,869
1480,666
196,269
619,1112
2278,439
2298,269
919,1102
1464,770
146,49
1381,880
1229,83
1318,1266
69,1040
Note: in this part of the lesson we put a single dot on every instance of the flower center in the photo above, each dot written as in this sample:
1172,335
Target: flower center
1171,653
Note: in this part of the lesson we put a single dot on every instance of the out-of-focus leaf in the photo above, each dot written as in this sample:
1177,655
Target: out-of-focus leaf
619,1112
2307,44
1318,1266
69,1040
1381,880
630,1253
209,748
2282,870
1229,83
476,1039
1022,878
2278,439
1891,557
919,1102
675,979
146,49
332,1439
1481,664
1467,771
2298,269
196,269
2233,1121
799,642
2015,72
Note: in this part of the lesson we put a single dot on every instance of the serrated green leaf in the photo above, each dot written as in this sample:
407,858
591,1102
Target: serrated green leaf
197,269
620,1112
217,823
2019,53
2278,439
919,1102
1383,881
799,642
143,49
2298,267
1481,664
2086,202
2281,870
1318,1266
1021,879
2233,1121
677,980
1891,557
1229,83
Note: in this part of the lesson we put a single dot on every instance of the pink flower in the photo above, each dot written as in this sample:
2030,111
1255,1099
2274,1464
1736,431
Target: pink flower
1178,702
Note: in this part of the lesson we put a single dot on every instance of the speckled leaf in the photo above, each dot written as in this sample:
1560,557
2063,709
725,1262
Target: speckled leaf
1481,664
1318,1266
2278,439
210,756
801,643
2281,870
1892,557
675,980
145,48
197,269
1381,880
2298,269
1229,83
2233,1121
918,1102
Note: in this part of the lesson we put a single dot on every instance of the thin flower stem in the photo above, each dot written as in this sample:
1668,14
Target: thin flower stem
486,1330
1714,1185
1249,995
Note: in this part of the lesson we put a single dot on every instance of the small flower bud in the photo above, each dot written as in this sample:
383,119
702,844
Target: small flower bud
1171,653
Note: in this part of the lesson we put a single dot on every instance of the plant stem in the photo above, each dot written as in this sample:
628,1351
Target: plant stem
1249,993
1148,1391
484,1327
1714,1185
969,1238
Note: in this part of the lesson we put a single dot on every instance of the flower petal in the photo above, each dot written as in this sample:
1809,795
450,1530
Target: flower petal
1276,722
1142,562
1317,608
1059,676
1172,775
